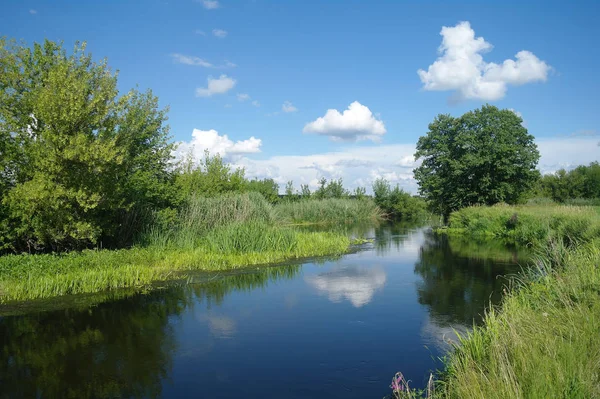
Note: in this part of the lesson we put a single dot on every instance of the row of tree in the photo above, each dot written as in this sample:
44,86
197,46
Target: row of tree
581,182
82,165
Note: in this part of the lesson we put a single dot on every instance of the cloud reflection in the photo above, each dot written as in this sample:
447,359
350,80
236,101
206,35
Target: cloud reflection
354,283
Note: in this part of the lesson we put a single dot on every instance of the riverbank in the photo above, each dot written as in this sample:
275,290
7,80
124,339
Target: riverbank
48,275
543,340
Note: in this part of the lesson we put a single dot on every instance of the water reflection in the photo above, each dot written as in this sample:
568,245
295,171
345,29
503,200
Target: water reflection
458,283
356,284
104,352
122,348
233,335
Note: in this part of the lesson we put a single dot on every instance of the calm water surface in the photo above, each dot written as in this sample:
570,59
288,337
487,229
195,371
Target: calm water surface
337,328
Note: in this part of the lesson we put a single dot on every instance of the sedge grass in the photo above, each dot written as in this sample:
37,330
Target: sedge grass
43,276
542,342
328,211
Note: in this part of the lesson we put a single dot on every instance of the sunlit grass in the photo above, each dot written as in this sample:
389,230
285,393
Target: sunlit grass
43,276
324,211
542,342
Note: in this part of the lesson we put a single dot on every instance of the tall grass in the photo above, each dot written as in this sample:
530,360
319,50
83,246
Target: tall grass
527,225
328,211
201,215
220,233
542,342
43,276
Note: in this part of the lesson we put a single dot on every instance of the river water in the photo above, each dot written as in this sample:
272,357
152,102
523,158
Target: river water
325,328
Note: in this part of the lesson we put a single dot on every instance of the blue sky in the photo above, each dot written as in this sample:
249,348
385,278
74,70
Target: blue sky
315,56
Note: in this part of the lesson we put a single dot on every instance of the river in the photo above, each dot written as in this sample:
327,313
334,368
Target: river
325,328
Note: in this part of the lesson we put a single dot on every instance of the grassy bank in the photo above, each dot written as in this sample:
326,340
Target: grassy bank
43,276
542,341
220,233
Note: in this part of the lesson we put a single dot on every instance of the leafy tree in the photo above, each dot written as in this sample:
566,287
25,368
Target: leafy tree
483,157
79,164
333,189
305,191
211,177
267,187
396,203
581,182
289,191
360,192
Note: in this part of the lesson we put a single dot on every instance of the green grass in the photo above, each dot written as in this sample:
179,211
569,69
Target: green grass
221,233
328,211
542,342
43,276
527,225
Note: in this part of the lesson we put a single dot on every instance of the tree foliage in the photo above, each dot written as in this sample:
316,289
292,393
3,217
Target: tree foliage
396,203
483,157
79,163
581,182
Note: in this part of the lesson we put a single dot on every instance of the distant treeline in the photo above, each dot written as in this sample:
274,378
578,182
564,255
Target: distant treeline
583,182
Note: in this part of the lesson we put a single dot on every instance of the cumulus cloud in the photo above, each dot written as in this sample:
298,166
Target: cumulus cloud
288,107
200,32
210,4
243,96
256,103
215,143
355,123
461,68
354,283
216,86
220,33
32,11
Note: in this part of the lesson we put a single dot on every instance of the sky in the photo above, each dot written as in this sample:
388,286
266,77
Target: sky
299,90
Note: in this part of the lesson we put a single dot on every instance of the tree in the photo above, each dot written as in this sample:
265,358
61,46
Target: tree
484,157
79,164
212,176
396,203
581,182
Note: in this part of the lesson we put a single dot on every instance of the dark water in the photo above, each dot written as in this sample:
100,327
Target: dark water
329,329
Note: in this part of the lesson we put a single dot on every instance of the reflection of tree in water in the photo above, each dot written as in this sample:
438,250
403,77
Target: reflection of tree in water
393,236
457,286
115,349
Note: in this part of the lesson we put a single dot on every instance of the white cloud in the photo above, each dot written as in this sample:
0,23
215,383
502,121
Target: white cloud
220,33
566,152
243,96
210,4
288,107
227,105
356,284
200,32
216,86
197,61
32,11
355,123
256,103
461,68
215,143
190,60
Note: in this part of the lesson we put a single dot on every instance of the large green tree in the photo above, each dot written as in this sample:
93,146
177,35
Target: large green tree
79,164
483,157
